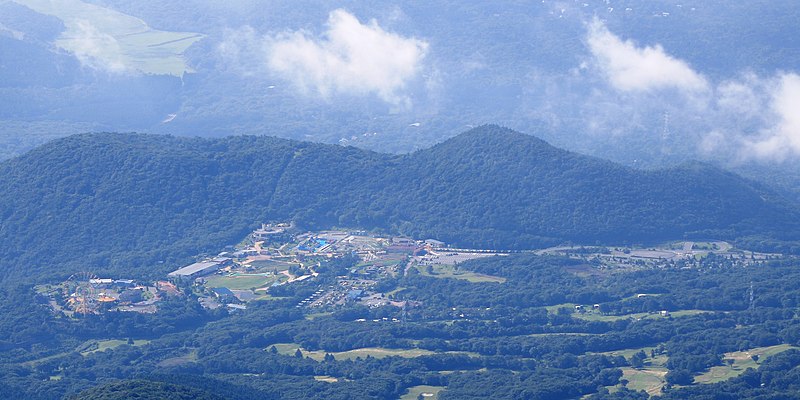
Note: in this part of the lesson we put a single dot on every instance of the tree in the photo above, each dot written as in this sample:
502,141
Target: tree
637,359
679,377
729,362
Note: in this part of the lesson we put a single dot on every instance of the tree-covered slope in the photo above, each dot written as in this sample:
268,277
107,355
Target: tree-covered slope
519,186
143,390
114,201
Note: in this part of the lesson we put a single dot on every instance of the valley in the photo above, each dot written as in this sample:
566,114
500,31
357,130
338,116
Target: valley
351,282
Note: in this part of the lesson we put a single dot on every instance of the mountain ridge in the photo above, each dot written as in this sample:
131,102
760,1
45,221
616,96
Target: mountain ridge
148,202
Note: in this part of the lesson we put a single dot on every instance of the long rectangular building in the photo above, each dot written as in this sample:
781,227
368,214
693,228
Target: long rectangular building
199,269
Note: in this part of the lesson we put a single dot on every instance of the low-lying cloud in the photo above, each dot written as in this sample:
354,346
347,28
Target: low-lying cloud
348,58
93,48
746,118
631,68
782,137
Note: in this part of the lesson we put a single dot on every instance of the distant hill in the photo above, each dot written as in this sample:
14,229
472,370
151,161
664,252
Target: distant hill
144,203
143,390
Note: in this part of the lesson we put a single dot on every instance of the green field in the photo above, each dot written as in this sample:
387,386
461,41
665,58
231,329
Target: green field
376,352
428,392
449,271
741,362
241,282
111,40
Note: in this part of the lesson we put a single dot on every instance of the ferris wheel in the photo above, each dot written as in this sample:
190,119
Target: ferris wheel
81,292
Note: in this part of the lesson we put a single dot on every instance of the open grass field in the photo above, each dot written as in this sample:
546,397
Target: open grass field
428,392
650,379
241,282
449,271
376,352
741,362
115,41
175,361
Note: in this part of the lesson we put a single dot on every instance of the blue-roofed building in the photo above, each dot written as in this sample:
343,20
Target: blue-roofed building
354,294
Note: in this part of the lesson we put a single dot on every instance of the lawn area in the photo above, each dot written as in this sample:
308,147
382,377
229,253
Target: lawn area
741,362
428,392
103,345
376,352
241,282
449,271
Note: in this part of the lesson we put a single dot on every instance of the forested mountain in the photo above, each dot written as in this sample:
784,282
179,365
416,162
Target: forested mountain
111,201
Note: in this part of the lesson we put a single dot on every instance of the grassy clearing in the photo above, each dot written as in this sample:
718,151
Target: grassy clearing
627,353
103,345
741,362
449,271
175,361
376,352
596,316
428,392
554,308
119,41
651,379
314,316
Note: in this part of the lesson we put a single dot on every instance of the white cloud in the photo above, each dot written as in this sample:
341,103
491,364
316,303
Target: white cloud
94,48
782,138
631,68
349,58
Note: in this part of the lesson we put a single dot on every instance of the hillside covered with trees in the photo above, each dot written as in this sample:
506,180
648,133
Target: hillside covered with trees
147,203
